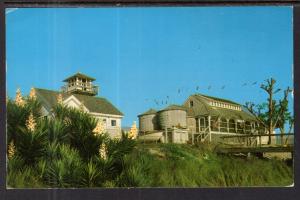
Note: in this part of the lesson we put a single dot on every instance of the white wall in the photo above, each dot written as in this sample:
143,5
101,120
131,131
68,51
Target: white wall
114,131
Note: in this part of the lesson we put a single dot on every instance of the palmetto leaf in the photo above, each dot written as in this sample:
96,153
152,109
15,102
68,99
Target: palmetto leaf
31,145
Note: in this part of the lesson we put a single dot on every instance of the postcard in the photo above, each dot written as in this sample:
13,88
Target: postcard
112,97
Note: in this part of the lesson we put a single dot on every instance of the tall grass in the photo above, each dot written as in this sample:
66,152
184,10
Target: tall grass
186,166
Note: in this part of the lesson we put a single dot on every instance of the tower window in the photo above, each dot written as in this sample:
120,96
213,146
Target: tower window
191,103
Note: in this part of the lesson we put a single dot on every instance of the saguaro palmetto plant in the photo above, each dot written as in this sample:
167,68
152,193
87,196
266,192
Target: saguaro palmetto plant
61,150
18,111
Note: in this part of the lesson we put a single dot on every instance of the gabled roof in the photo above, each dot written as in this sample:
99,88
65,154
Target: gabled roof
217,99
149,112
93,104
79,75
203,108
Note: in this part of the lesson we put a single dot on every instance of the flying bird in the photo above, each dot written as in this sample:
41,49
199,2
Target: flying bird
197,88
254,83
244,84
223,87
209,87
178,91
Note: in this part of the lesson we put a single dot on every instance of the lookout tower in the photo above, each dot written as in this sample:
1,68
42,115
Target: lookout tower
80,84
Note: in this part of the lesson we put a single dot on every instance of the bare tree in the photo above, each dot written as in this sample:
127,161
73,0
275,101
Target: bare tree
272,114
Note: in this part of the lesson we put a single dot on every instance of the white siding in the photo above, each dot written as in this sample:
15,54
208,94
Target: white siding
113,131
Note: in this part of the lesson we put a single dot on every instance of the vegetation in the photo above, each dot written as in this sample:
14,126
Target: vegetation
273,114
174,165
67,150
71,150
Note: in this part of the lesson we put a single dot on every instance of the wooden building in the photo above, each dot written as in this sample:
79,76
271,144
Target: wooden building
209,117
80,92
205,118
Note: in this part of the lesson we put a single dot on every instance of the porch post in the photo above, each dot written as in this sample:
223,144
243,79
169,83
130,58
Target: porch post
227,120
166,135
198,119
235,124
192,137
209,131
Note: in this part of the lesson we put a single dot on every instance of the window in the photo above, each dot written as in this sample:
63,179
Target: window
191,103
113,122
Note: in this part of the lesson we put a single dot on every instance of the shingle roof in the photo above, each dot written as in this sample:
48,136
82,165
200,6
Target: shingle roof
149,112
203,108
80,75
98,104
93,104
218,99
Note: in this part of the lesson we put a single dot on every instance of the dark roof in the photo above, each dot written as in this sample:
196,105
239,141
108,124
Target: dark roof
79,75
149,112
173,107
218,99
203,108
98,104
93,104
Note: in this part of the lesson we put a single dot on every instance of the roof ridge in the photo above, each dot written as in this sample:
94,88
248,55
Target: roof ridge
217,98
45,89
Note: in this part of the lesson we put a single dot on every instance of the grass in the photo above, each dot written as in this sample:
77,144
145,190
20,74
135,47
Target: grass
173,165
154,165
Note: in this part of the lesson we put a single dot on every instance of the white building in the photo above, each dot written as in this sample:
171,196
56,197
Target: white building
80,92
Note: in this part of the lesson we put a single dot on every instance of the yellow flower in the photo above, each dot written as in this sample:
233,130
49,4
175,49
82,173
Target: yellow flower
133,131
32,94
59,99
99,129
102,151
19,99
30,123
67,121
11,149
81,107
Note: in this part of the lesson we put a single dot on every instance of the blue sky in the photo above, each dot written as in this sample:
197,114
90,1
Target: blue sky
139,55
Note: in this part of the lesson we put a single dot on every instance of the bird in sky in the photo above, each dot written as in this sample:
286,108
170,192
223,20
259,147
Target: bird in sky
209,87
244,84
178,91
197,88
254,83
223,87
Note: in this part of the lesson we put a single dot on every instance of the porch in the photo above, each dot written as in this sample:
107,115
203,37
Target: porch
210,128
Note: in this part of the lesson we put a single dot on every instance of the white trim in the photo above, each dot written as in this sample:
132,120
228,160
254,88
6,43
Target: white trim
226,133
106,115
72,97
